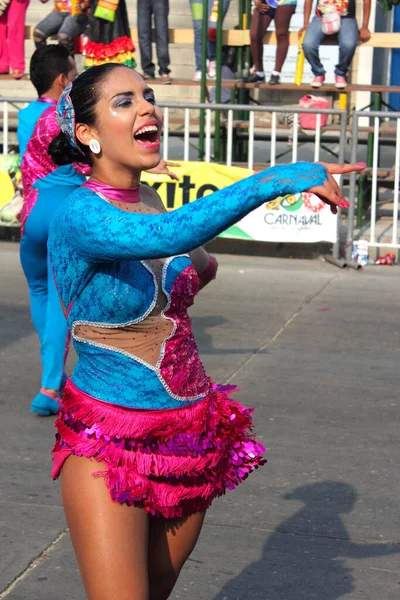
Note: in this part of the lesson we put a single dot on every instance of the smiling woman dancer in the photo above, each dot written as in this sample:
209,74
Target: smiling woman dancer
145,439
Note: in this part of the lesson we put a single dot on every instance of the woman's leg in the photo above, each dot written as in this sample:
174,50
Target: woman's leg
33,254
283,16
16,34
110,540
171,542
311,43
259,24
196,7
47,315
348,40
4,58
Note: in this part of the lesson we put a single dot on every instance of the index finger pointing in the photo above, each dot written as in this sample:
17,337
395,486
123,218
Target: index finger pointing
341,169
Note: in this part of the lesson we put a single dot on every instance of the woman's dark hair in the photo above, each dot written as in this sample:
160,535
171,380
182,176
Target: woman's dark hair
47,63
85,94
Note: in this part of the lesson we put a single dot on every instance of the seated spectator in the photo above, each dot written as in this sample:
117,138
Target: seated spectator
281,11
197,16
12,37
67,20
159,9
348,36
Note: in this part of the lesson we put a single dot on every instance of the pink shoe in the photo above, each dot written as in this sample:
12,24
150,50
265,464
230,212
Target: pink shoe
340,82
17,74
318,81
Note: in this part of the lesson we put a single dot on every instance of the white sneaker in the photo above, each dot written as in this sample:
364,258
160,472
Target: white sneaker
196,76
212,69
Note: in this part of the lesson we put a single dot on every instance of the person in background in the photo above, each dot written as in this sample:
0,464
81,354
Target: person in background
348,36
197,16
67,20
159,9
12,37
281,12
45,187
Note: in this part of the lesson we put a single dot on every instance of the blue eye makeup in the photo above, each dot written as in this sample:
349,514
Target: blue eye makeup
124,103
150,97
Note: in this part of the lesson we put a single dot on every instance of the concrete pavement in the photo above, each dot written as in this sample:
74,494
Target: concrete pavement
316,351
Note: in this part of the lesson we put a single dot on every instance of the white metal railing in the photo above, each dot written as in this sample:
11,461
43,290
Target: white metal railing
373,239
250,111
188,110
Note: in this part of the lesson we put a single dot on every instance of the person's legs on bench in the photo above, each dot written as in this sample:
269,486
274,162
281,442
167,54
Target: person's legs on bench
47,27
348,40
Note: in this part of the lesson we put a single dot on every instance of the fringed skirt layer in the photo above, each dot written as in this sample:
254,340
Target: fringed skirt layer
171,462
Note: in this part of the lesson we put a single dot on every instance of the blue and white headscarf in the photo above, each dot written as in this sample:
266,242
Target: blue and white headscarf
65,114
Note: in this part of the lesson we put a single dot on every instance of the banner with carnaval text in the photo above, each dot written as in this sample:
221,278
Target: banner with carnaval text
296,218
300,218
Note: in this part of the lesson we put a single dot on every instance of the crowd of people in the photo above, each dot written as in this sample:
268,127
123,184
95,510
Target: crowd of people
105,27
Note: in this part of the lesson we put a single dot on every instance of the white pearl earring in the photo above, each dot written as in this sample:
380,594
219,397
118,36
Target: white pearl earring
113,114
94,145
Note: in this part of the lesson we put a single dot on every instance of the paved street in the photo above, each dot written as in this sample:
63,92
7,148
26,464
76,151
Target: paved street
316,351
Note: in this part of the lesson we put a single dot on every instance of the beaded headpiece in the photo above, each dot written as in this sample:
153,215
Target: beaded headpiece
65,114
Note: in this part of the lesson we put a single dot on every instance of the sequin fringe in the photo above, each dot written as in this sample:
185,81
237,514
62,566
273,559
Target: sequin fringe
171,462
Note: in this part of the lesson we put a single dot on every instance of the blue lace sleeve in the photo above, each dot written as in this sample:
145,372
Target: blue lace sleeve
98,231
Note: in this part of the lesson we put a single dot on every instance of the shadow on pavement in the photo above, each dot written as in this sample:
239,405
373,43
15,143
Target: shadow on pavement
205,340
304,557
15,323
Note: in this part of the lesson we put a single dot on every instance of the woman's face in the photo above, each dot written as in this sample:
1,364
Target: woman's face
129,122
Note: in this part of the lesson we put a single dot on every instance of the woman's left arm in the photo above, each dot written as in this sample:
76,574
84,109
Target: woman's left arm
205,264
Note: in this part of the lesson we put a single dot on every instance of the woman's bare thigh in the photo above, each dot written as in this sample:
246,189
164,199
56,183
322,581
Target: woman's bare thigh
110,540
171,542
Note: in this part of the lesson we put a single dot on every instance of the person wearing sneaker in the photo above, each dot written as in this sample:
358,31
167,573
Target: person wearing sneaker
197,17
281,11
51,69
158,9
333,16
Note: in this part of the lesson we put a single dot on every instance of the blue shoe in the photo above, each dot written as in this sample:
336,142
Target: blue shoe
44,404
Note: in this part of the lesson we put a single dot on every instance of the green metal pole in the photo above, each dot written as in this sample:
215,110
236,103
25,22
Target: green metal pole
247,51
217,131
203,83
363,181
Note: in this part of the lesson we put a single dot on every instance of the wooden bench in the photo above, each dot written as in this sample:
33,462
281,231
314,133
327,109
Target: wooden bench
241,37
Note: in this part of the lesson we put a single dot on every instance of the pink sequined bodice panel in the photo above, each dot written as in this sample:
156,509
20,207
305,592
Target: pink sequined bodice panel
37,164
181,367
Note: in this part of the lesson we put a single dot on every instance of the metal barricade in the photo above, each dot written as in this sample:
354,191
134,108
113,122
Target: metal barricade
251,111
374,239
209,109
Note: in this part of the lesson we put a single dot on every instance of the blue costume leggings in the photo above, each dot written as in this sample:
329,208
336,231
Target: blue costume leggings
47,315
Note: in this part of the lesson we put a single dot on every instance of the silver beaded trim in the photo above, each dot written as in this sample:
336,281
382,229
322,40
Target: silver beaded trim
157,368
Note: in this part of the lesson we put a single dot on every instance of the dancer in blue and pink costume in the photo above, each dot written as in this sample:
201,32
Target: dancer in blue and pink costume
45,187
139,412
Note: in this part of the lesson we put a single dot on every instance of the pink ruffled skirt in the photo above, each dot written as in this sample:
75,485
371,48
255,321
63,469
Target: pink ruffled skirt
171,462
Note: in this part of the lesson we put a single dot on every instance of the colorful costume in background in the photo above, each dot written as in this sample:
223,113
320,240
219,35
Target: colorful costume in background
139,399
45,188
109,35
12,38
